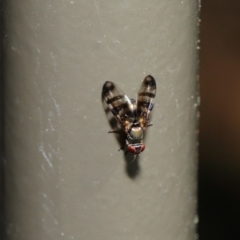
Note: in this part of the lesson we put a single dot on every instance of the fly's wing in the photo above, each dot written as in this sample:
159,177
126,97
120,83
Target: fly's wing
119,104
145,100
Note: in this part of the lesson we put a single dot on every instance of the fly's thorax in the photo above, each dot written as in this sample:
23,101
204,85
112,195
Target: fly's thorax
135,134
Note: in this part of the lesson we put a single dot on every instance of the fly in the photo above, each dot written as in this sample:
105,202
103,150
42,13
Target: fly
132,116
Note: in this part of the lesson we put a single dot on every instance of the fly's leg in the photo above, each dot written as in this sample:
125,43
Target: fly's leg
134,158
121,148
115,131
127,143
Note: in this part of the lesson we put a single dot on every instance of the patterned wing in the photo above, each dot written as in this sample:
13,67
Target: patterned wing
145,100
119,104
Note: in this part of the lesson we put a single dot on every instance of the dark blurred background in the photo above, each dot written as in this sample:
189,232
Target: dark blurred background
219,171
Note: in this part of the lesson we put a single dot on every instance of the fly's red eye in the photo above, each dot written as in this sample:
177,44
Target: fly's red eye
142,148
131,149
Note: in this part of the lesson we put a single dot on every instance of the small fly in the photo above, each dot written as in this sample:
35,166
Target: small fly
132,116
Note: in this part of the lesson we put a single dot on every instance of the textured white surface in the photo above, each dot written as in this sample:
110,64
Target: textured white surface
65,178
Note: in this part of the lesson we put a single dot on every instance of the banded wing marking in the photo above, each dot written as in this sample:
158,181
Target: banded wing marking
145,100
119,104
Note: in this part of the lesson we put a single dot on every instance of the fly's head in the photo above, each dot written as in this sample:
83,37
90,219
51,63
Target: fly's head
136,148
